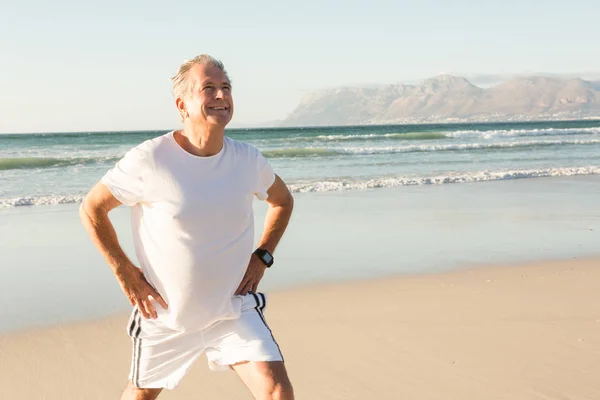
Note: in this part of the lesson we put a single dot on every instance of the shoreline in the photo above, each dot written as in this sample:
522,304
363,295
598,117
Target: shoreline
351,236
27,208
523,331
449,272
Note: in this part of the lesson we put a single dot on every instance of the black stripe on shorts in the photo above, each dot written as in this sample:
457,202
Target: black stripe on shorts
132,322
259,309
135,330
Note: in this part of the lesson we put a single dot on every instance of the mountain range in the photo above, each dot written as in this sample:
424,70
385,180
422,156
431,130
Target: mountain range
448,98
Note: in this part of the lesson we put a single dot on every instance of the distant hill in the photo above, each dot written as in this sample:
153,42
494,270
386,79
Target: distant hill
447,98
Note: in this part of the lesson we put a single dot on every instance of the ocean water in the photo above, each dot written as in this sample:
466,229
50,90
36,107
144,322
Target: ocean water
370,202
51,273
56,168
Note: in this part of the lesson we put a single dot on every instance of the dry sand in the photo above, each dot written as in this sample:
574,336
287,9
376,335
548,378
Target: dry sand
520,332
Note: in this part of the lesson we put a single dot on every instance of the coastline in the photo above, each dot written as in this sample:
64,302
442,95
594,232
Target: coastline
50,273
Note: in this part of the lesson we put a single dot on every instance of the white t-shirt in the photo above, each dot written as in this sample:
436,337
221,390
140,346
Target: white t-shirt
193,223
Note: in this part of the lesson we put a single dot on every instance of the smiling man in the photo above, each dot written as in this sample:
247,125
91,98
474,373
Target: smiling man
191,193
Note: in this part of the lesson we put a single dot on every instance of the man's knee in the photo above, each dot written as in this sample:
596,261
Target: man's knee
281,391
133,393
266,380
278,384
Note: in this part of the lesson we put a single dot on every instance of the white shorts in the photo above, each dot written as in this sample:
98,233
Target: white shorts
161,356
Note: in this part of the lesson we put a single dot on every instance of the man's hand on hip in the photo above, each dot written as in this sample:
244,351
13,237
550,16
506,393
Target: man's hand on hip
254,273
139,291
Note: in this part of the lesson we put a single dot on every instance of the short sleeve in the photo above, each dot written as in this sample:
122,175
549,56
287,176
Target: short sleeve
126,179
266,177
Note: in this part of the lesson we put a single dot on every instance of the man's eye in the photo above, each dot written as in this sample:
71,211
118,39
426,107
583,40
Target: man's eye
208,87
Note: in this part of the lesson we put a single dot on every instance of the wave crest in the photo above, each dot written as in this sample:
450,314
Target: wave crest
40,201
374,183
481,176
341,151
294,152
43,162
522,132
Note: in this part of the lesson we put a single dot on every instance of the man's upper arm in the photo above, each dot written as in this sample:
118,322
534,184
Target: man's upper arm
279,194
100,198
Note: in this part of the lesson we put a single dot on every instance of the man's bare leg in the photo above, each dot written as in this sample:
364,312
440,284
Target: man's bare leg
133,393
267,380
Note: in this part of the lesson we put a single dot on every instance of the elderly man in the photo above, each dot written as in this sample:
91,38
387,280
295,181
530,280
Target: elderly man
191,193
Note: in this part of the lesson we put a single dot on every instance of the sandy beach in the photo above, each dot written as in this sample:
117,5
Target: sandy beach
492,332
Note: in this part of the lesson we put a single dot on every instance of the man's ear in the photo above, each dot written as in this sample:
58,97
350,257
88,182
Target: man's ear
181,107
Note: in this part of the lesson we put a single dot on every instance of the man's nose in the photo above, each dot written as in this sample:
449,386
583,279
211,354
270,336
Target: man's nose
220,94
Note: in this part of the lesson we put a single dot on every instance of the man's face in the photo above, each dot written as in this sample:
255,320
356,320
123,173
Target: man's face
209,101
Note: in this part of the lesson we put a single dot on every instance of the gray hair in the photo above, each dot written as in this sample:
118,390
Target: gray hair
181,86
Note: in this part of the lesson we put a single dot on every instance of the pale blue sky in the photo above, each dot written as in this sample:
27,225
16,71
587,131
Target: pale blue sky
105,65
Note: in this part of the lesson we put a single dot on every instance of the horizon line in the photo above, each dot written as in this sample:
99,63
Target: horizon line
508,122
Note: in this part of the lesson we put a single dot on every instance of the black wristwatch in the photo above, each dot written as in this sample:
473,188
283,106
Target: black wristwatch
265,256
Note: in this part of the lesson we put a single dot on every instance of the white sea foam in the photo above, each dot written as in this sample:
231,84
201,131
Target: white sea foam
340,185
39,201
402,136
296,152
443,134
521,132
461,146
480,176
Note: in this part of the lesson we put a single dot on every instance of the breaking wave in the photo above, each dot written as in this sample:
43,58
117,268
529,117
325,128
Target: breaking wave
348,184
293,152
43,162
370,136
522,132
441,135
39,200
482,176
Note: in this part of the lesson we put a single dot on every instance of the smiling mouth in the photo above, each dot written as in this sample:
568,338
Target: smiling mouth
219,108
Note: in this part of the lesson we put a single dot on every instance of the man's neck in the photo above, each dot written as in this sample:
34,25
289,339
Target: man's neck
202,142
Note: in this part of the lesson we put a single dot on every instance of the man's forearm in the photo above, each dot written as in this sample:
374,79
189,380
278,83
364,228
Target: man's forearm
98,226
276,221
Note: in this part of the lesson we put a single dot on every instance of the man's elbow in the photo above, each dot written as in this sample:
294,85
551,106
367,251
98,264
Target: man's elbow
290,201
85,209
90,209
97,203
283,202
287,202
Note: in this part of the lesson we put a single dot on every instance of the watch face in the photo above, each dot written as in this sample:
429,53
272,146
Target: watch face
267,258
